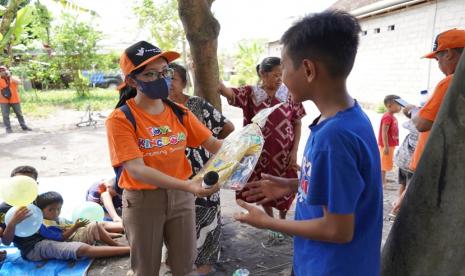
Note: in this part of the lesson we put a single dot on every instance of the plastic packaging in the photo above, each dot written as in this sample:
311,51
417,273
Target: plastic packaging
237,157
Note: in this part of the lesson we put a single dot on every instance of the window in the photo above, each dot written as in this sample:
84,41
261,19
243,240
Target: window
364,33
377,30
391,27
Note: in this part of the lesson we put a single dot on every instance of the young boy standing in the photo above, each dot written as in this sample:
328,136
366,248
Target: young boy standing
338,220
388,137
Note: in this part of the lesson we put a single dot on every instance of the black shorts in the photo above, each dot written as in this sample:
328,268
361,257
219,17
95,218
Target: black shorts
405,177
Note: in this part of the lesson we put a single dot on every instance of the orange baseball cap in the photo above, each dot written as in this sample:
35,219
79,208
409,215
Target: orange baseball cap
142,53
450,39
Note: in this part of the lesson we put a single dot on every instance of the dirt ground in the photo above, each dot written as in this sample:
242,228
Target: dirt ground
63,152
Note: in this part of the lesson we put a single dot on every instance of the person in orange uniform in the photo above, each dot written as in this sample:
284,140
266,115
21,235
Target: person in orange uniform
158,197
448,47
9,98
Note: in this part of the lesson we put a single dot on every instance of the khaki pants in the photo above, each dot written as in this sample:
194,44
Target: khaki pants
153,216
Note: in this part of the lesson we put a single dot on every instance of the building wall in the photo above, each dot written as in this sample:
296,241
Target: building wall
274,49
389,62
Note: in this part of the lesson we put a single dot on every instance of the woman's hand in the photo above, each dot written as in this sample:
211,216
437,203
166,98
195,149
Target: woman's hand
195,187
225,91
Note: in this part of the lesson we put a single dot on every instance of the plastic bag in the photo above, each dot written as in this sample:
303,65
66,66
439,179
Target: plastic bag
239,154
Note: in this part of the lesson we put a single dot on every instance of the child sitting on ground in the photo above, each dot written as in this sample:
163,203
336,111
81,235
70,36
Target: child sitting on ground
104,194
37,247
388,137
56,228
4,207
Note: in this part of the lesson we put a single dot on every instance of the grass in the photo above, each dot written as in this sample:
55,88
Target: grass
38,103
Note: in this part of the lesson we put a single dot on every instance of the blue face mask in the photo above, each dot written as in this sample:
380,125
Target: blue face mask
157,89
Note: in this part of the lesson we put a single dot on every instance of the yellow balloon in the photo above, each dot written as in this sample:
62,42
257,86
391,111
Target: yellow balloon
20,190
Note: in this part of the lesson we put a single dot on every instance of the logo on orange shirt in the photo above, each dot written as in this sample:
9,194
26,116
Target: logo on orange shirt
161,141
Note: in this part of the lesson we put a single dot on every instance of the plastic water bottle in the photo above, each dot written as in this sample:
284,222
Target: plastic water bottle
241,272
423,97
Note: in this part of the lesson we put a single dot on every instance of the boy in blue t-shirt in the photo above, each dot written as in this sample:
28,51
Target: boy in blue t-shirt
338,220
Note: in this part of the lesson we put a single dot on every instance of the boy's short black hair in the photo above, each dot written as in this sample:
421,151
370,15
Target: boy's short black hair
389,99
330,37
45,199
25,170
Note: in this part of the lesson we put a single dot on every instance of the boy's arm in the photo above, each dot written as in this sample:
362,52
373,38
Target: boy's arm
107,201
9,231
329,228
270,188
384,139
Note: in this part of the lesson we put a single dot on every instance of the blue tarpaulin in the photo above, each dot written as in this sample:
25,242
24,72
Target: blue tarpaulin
14,265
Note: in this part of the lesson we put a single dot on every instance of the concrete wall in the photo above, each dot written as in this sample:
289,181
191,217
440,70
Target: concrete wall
389,62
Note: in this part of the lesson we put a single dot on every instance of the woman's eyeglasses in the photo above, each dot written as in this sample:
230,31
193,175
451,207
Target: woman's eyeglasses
166,73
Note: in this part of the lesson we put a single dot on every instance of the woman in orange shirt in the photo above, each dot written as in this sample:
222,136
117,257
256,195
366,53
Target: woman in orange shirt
158,198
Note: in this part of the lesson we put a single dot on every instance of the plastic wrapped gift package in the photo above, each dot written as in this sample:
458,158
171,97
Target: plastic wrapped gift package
237,157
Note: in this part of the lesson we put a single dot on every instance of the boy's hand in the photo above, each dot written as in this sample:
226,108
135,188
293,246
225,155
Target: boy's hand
197,189
81,223
21,214
252,216
267,189
386,151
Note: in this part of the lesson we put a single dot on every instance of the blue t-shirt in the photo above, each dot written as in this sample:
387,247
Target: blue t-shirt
341,169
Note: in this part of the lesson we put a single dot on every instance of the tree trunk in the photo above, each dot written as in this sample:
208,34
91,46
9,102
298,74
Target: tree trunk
9,15
202,30
428,236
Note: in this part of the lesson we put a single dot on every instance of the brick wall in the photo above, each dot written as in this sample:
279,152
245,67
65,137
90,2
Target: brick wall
389,62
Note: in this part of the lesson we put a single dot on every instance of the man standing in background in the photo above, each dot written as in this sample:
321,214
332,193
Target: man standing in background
9,98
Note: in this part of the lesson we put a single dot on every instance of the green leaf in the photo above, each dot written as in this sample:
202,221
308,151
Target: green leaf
23,18
6,39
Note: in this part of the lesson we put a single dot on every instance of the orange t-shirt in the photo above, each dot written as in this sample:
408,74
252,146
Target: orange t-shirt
429,112
160,139
14,91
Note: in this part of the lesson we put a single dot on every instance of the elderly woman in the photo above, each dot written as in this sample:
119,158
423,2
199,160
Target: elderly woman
207,210
282,129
